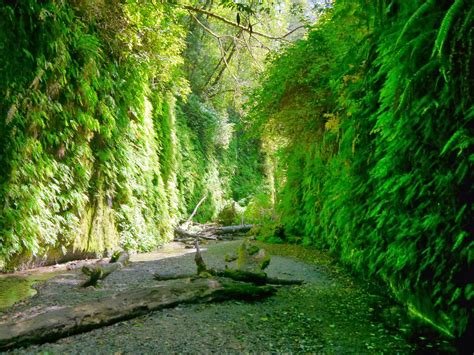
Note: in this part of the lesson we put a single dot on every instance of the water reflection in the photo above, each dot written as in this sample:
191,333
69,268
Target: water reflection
16,288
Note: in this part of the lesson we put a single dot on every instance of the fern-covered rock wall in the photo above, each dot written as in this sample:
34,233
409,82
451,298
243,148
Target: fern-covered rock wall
100,145
374,114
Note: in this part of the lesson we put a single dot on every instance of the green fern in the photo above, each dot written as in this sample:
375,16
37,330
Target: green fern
414,19
445,27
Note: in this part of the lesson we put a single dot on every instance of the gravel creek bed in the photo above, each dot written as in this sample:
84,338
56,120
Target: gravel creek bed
330,313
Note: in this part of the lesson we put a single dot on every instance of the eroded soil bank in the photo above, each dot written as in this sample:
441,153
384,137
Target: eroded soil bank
331,313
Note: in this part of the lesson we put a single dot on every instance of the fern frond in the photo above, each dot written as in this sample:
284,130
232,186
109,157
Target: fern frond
412,20
446,25
467,20
415,44
420,74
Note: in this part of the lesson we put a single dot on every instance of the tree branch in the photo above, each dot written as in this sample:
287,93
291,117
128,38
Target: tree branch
247,45
235,24
189,220
221,47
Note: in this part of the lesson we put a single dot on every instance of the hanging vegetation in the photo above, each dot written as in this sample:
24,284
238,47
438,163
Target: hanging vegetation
100,144
370,118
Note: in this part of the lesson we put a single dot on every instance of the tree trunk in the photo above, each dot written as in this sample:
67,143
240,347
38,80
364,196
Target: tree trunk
210,232
234,229
67,321
257,278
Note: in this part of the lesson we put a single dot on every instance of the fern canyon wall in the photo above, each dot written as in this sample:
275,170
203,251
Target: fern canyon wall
100,145
351,133
370,119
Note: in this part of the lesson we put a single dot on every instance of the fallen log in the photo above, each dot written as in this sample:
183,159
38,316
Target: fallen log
256,278
167,277
233,229
184,235
101,271
210,233
67,321
207,237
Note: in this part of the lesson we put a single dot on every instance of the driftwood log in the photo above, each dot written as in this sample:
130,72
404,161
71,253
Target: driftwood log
67,321
256,278
101,271
209,232
244,228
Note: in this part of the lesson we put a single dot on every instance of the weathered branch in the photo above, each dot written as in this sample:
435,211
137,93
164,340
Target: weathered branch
257,278
235,24
189,220
196,209
293,30
262,45
101,271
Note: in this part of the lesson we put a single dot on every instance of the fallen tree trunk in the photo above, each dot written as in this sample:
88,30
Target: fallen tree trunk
233,229
101,271
184,235
257,278
210,233
67,321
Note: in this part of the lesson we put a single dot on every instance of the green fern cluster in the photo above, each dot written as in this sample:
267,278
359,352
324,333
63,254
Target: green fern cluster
100,146
374,113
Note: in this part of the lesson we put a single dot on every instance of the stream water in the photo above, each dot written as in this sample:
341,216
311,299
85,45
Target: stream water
14,288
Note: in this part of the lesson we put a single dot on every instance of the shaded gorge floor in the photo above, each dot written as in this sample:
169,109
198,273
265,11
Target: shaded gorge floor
331,313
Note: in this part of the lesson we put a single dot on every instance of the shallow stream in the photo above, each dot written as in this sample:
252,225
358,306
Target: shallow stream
14,288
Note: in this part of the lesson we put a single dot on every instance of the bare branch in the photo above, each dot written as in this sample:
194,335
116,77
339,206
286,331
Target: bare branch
293,30
247,45
235,24
221,47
